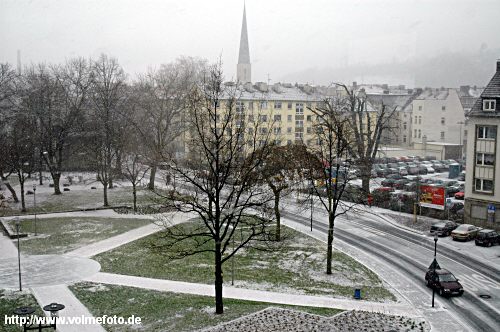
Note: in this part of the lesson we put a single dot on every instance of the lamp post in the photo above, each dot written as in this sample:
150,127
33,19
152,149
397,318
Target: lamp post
434,267
312,205
18,224
34,203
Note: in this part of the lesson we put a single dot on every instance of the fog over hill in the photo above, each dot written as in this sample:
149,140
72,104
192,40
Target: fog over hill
447,69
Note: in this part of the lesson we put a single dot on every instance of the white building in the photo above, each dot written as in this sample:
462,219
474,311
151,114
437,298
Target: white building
482,190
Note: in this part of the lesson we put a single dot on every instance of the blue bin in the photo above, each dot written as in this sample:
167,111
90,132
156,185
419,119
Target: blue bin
357,294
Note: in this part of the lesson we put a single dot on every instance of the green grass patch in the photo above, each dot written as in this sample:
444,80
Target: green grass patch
80,198
165,311
60,235
10,300
297,267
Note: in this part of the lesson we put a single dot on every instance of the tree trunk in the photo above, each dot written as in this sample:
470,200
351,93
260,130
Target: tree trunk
23,203
134,193
366,169
152,175
57,188
329,252
277,214
110,186
12,191
219,306
105,184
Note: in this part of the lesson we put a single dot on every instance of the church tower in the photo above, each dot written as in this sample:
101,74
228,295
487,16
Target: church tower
244,68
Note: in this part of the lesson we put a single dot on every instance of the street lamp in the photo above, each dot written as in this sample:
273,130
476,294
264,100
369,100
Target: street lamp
18,224
34,203
312,204
434,267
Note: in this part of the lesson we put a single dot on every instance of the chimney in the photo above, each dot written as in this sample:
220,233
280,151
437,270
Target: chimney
354,84
464,89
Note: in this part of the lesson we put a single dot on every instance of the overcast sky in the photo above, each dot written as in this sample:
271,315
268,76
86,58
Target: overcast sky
285,36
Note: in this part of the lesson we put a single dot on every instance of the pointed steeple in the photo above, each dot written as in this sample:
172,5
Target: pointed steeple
244,68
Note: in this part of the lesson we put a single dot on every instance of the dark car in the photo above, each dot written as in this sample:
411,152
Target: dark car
422,169
487,238
399,184
461,176
395,176
387,182
444,282
443,228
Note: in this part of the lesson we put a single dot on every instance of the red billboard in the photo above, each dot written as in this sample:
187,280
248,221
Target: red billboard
432,197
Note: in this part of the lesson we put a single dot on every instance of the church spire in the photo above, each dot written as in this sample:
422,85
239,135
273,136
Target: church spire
244,68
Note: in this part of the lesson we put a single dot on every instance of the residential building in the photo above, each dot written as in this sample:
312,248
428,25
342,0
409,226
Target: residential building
438,115
482,189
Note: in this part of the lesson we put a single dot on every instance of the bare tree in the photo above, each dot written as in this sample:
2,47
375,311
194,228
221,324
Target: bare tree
160,99
108,93
331,130
368,121
218,172
285,167
8,101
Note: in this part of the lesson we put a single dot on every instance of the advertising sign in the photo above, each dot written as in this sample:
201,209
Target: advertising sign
432,197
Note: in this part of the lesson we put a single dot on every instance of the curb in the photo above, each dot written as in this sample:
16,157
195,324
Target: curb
10,233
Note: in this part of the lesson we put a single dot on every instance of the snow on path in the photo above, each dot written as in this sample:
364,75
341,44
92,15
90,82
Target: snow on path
7,247
252,295
73,307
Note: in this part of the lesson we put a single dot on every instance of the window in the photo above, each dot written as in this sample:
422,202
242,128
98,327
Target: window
289,118
240,106
404,138
420,108
483,185
250,118
489,105
277,117
309,118
263,104
419,133
299,123
419,119
485,159
250,105
443,108
263,130
289,130
415,134
263,118
277,105
442,135
299,135
250,130
404,125
309,130
299,108
277,130
486,132
290,106
443,120
416,119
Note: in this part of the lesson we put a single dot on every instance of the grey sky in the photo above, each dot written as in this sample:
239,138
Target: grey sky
285,36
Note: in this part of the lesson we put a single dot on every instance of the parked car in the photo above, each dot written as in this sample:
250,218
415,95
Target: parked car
460,195
430,169
464,232
392,170
443,228
444,282
395,176
383,189
454,207
403,171
422,169
487,238
399,184
410,186
461,176
388,182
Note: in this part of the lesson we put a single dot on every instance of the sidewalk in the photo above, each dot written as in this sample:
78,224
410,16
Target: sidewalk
73,307
253,295
7,247
124,238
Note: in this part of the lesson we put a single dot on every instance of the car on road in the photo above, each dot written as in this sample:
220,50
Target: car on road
464,232
460,195
443,228
487,238
444,282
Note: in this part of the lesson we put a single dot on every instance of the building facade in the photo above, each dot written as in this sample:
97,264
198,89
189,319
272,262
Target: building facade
482,190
